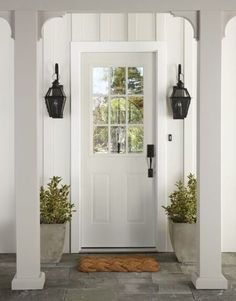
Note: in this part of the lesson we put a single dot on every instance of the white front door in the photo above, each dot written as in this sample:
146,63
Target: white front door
118,198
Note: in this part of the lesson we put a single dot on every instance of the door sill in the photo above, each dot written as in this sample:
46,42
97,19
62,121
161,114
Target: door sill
119,250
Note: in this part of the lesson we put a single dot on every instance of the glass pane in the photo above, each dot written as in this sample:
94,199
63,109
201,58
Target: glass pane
135,80
118,80
118,110
100,139
100,110
100,80
135,139
135,109
118,139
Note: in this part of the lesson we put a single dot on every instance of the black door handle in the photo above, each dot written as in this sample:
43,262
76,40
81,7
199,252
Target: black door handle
150,155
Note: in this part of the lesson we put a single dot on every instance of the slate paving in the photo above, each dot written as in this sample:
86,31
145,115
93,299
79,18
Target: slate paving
65,283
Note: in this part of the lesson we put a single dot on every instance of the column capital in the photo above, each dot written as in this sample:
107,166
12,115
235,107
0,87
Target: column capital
192,17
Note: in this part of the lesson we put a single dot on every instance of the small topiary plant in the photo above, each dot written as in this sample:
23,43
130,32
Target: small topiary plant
183,207
55,207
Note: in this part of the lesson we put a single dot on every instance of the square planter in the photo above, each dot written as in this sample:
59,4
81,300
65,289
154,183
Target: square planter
52,242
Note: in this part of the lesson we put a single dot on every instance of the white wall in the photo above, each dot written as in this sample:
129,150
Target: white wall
229,139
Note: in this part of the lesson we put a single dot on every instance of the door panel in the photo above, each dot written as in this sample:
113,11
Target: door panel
117,122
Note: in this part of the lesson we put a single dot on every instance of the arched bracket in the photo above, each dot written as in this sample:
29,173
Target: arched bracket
227,16
44,16
192,17
10,18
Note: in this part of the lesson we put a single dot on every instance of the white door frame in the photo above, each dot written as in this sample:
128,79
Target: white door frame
77,48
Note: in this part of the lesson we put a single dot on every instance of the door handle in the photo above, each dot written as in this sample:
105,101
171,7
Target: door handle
150,156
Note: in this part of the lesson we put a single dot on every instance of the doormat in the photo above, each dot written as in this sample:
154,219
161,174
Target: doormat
90,264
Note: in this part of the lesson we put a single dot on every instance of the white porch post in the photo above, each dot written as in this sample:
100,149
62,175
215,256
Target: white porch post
28,274
209,275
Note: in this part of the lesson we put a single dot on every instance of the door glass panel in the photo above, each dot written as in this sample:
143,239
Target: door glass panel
100,80
118,139
118,114
100,109
135,109
135,139
118,110
118,81
100,139
135,80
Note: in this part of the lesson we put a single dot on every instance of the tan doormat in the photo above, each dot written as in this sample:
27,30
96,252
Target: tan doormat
118,264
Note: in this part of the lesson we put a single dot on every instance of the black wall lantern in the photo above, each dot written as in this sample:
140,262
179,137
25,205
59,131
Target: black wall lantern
55,98
180,99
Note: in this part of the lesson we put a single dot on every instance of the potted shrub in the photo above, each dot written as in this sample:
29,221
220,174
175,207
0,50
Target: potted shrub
182,213
55,211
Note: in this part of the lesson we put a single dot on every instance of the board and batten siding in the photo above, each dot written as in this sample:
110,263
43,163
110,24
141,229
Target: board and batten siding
55,134
57,35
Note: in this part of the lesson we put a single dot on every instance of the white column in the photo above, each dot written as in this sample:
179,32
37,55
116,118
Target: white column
28,274
209,275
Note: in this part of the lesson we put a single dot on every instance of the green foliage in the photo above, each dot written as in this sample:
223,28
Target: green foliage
118,81
55,207
135,83
135,139
183,207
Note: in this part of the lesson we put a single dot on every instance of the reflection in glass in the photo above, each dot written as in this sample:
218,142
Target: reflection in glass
100,80
100,110
118,110
135,109
135,80
135,139
118,139
118,80
100,139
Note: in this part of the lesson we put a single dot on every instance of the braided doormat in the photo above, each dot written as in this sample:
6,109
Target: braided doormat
118,264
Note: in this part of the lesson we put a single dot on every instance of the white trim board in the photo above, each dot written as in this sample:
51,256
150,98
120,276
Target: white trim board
158,48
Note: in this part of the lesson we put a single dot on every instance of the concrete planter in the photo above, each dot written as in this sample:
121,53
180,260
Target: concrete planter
52,242
183,239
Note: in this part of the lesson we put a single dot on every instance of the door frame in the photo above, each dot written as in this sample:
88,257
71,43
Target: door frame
160,130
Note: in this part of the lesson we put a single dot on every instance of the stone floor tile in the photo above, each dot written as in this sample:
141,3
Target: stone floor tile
174,288
57,277
91,280
229,269
138,289
40,295
56,273
174,297
217,295
133,278
188,268
229,258
170,267
136,297
6,276
69,260
163,277
90,295
166,257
